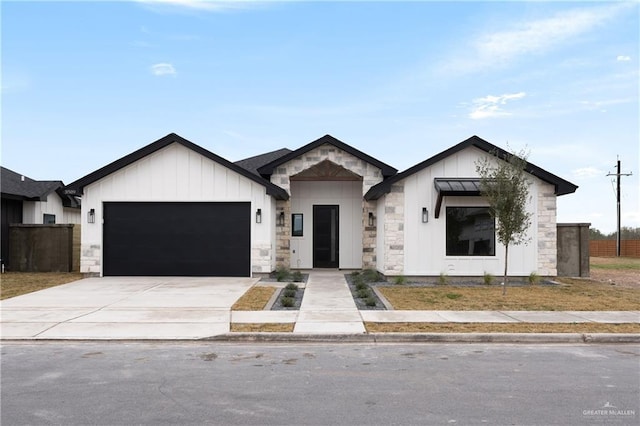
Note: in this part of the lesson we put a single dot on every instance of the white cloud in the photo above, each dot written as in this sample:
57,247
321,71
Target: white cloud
623,58
587,172
501,48
163,69
490,106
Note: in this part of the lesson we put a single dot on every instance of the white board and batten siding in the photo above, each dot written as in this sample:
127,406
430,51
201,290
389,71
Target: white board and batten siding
345,194
176,174
33,211
425,243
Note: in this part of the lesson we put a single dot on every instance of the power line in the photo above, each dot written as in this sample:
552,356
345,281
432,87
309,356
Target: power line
618,174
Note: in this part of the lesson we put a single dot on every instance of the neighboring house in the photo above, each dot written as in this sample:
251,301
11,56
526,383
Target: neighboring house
28,201
174,208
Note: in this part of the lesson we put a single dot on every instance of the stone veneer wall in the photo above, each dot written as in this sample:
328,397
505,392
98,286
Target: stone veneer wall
90,259
283,236
394,231
369,255
547,231
261,259
371,175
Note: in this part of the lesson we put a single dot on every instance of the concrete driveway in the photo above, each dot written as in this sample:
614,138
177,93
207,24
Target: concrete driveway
125,308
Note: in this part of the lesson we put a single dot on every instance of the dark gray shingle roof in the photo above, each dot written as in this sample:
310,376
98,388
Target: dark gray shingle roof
252,164
21,186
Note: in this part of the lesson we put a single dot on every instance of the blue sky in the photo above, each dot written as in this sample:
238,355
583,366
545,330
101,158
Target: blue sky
84,83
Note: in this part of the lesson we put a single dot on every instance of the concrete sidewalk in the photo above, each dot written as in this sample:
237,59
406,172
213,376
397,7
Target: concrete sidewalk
187,308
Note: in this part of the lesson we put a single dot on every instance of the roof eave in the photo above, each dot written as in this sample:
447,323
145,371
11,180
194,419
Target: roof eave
267,170
77,187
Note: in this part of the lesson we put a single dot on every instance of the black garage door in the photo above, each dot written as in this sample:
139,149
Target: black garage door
179,239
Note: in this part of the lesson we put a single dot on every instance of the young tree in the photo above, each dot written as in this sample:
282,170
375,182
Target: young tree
503,182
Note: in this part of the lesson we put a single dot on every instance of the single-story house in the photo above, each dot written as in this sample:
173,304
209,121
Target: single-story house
175,208
29,201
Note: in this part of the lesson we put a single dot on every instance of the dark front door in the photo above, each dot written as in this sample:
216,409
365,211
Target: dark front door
325,237
180,239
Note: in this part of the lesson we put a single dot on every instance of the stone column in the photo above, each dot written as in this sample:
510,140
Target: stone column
283,234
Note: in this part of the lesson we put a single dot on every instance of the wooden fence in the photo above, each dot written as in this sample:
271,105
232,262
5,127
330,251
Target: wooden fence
607,248
44,248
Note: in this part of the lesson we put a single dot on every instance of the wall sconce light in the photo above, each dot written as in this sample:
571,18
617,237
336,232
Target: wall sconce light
281,219
259,216
371,218
91,216
425,215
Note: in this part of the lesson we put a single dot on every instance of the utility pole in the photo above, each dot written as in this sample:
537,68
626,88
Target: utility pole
618,174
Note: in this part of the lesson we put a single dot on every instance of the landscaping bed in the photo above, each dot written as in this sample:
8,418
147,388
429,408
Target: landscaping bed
360,284
289,298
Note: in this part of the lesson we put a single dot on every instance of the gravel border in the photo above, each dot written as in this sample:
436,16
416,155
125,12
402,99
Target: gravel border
277,305
360,303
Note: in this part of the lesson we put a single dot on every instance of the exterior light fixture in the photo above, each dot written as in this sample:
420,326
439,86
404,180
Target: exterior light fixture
371,218
281,219
259,216
91,216
425,215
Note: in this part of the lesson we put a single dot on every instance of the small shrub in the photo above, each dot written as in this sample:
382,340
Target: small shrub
282,273
358,280
291,286
297,276
362,286
443,279
355,274
364,293
370,301
288,302
453,296
371,275
534,278
488,278
400,280
289,293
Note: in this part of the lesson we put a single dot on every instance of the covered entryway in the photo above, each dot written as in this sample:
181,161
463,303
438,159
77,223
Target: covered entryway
326,236
177,239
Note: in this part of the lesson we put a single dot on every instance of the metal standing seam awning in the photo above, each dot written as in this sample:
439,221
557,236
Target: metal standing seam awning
455,187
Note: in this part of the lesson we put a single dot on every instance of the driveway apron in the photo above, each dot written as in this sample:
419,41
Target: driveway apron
125,308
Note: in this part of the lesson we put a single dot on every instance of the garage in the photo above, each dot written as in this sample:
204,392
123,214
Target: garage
177,239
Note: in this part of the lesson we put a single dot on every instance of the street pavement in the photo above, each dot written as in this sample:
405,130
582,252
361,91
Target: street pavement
184,308
215,383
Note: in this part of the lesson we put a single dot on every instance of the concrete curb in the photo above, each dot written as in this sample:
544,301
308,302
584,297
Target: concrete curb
429,338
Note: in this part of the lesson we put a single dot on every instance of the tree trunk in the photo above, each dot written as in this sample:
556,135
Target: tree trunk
506,259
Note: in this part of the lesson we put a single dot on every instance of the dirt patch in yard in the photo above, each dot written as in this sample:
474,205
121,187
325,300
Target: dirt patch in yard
408,327
255,299
575,295
262,328
617,271
14,284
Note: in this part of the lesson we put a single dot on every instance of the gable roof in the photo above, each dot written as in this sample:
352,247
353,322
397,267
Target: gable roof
252,164
267,169
78,186
26,188
562,186
20,187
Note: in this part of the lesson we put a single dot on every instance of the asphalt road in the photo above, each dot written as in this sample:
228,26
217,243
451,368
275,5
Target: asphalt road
320,384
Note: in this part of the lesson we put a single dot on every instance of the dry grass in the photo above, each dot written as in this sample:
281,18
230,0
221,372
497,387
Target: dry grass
255,299
262,328
575,295
14,284
422,327
614,263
